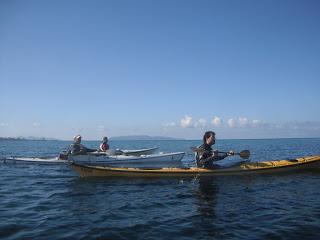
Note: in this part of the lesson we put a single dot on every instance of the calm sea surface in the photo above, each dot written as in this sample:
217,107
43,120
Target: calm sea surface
52,202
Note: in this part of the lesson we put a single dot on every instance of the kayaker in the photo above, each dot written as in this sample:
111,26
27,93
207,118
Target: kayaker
206,158
104,146
77,148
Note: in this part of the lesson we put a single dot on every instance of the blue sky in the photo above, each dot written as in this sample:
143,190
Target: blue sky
245,69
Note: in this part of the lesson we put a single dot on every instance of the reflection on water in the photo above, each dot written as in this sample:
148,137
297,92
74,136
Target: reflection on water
206,200
207,193
52,202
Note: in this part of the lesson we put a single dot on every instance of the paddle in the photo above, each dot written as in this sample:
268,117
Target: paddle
243,154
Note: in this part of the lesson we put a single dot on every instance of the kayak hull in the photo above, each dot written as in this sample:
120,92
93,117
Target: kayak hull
143,161
298,164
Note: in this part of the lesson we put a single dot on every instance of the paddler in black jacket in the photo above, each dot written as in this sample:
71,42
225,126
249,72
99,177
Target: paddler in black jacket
206,158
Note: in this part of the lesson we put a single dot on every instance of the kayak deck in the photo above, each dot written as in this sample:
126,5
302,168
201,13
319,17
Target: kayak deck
244,168
139,152
127,152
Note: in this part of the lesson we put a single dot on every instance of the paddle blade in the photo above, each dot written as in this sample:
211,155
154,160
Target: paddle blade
245,154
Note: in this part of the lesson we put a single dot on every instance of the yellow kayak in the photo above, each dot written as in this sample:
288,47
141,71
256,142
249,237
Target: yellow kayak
309,162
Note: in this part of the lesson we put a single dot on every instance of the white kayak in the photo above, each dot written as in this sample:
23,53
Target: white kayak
53,160
139,152
143,161
101,159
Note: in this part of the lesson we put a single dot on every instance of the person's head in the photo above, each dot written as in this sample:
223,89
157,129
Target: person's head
105,139
77,139
209,138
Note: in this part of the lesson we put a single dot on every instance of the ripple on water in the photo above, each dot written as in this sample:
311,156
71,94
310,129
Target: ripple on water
51,202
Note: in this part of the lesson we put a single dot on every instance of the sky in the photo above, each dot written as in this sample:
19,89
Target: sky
244,69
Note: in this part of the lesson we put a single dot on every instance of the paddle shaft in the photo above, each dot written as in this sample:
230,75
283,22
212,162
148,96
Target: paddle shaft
242,154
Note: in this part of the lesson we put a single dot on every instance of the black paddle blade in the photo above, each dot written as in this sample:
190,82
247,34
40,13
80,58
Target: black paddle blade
245,154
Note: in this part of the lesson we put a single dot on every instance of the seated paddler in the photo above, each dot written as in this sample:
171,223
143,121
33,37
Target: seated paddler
104,146
76,148
206,157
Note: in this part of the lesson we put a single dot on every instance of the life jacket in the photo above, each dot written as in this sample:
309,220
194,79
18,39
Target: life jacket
104,147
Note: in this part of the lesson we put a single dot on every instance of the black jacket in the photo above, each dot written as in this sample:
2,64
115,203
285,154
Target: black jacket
206,158
79,149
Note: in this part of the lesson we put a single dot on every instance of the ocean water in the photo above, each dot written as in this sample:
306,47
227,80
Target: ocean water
40,201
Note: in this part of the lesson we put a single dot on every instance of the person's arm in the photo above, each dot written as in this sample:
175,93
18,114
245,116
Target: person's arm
69,150
219,156
101,148
205,158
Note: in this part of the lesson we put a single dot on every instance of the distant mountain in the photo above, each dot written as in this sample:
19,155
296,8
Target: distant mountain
143,137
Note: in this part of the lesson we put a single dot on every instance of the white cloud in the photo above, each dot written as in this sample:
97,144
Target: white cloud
231,123
216,121
243,122
255,123
244,125
170,124
186,122
201,123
